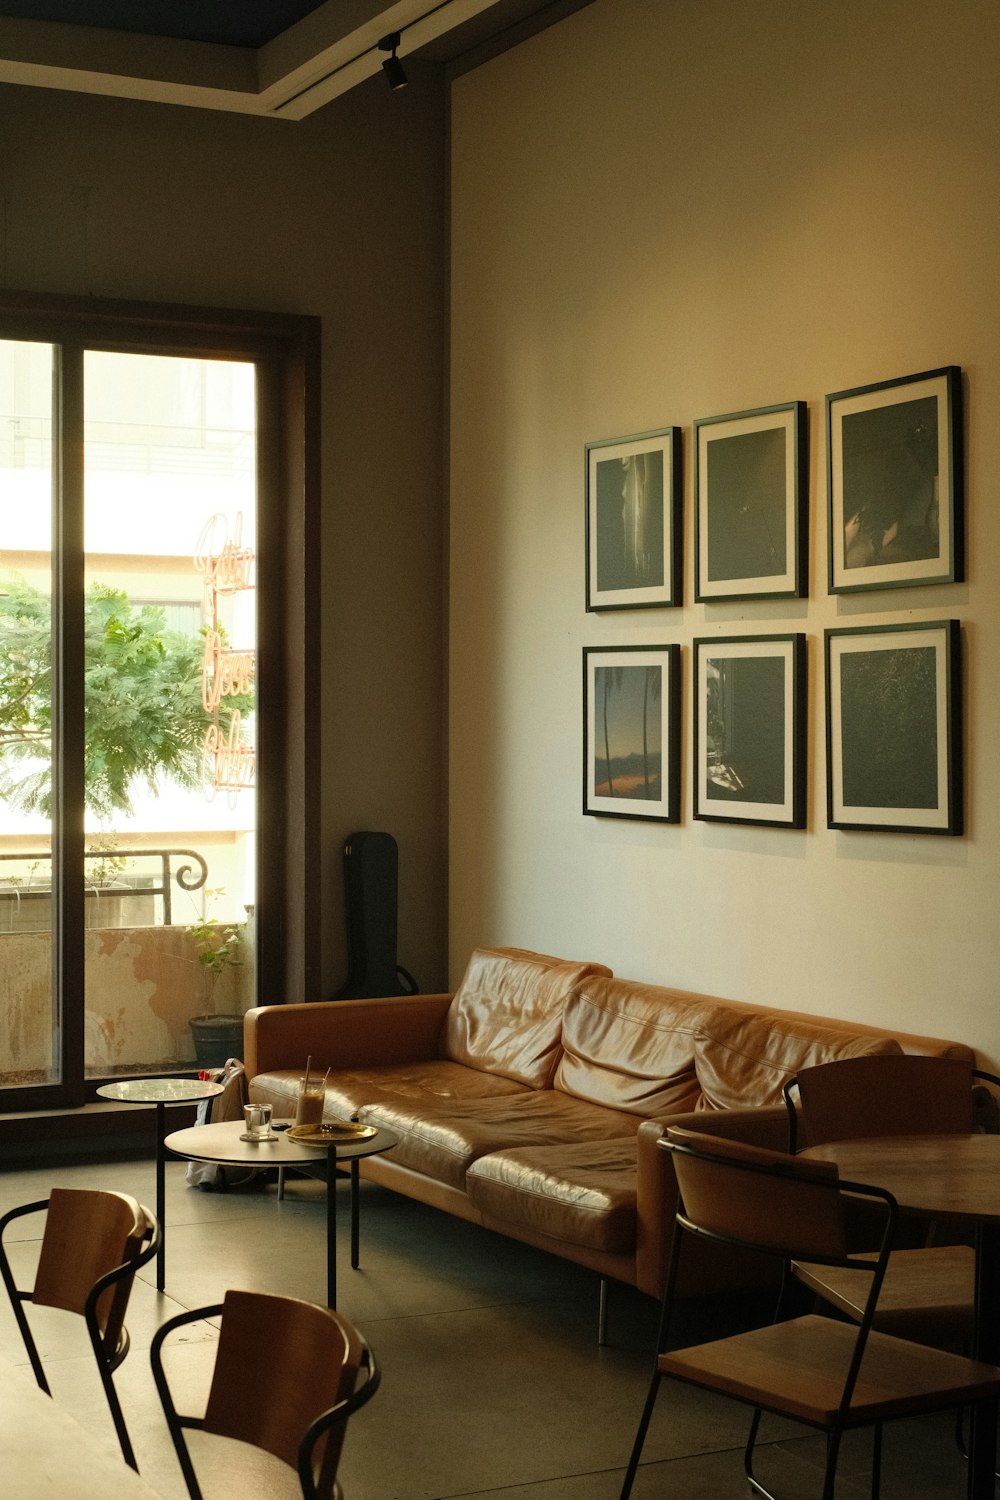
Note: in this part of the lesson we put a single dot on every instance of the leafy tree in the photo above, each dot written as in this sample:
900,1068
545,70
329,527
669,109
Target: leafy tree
143,712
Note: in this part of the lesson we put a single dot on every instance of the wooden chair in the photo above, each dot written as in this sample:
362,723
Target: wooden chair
828,1374
888,1094
929,1290
285,1379
92,1245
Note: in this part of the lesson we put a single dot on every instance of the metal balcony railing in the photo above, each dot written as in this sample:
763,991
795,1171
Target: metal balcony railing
187,876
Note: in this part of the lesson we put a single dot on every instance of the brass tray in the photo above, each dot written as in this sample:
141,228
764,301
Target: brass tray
331,1133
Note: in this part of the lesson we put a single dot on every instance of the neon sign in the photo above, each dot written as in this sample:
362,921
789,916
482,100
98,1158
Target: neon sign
224,673
227,566
226,763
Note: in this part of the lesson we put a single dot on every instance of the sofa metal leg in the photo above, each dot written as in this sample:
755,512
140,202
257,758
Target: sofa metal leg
602,1313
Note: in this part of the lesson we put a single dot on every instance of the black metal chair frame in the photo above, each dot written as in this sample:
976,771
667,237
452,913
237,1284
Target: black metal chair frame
177,1422
988,1108
108,1360
684,1227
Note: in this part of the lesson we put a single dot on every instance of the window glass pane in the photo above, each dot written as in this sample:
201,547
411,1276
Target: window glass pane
29,1030
170,522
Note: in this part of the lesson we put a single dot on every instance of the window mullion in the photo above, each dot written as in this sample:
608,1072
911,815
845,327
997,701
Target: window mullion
68,713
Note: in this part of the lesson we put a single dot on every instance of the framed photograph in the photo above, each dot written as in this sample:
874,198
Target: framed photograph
631,732
634,558
749,729
751,479
896,483
894,728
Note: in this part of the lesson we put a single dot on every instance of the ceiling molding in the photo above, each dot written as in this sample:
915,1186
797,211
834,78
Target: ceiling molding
306,67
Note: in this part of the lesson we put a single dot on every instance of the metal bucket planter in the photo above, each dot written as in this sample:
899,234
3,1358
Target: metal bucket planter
216,1038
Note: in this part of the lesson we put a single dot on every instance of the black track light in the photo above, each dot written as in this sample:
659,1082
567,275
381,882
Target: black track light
391,66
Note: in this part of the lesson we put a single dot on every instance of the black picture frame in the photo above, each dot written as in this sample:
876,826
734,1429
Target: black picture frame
896,483
631,732
633,521
749,729
894,728
751,504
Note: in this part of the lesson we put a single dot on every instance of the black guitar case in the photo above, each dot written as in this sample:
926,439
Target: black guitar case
371,869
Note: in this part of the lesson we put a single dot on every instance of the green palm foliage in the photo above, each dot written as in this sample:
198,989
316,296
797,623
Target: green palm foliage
143,712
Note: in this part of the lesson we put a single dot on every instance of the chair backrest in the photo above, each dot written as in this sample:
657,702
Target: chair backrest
281,1364
899,1094
89,1233
765,1200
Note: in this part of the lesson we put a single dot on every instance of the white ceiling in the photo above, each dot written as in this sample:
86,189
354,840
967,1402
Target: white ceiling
288,75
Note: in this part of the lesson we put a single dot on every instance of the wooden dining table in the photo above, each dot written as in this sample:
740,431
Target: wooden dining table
46,1452
955,1179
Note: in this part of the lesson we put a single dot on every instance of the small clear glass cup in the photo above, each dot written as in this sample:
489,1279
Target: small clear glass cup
258,1122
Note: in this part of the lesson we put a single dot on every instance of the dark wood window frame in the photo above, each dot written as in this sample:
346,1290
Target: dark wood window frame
286,351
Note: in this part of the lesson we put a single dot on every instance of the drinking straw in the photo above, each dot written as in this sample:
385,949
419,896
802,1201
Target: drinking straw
325,1077
305,1083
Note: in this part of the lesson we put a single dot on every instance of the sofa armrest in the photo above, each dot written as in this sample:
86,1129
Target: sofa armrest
656,1184
343,1033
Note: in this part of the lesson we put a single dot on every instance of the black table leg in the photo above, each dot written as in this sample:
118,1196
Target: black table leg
355,1214
161,1254
983,1434
331,1228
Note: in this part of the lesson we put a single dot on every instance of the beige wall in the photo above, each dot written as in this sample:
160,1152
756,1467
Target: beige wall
340,216
671,209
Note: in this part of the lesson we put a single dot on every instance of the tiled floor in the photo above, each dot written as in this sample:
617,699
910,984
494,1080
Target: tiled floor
493,1387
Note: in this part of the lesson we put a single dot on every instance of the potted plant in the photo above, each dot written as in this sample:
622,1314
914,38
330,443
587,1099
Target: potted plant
218,946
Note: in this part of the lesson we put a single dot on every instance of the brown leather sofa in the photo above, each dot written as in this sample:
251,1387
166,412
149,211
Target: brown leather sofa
530,1101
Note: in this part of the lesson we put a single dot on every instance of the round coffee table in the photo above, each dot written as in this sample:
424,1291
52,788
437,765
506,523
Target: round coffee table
161,1092
222,1143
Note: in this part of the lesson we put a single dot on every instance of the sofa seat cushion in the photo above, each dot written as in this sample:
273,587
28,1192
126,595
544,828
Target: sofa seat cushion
744,1060
583,1193
442,1141
506,1015
630,1046
433,1082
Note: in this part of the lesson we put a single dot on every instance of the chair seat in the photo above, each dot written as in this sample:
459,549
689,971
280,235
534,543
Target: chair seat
798,1369
927,1294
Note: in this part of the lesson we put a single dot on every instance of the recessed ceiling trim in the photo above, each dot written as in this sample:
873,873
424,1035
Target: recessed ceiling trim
313,62
325,29
336,69
48,46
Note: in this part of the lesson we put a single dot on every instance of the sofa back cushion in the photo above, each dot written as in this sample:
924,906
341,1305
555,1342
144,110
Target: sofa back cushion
745,1059
630,1046
657,1052
506,1016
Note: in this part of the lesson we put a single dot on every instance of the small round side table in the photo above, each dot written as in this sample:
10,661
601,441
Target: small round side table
224,1143
161,1092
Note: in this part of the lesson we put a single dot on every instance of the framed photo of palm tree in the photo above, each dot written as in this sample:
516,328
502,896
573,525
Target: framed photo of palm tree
894,727
749,729
634,558
631,732
751,516
896,483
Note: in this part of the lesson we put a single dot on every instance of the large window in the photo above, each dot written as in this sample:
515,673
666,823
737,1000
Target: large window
157,723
